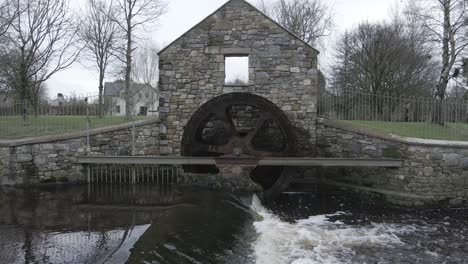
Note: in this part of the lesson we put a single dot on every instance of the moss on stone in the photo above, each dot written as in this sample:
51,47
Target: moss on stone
392,152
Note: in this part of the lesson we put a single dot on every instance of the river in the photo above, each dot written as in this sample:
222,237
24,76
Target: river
151,224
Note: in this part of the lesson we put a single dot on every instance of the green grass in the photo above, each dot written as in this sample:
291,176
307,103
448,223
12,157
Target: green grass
450,131
13,127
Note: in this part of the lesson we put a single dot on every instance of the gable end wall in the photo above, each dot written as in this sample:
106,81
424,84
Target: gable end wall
282,69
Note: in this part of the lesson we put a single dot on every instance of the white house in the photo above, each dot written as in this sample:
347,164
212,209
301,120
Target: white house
144,99
58,101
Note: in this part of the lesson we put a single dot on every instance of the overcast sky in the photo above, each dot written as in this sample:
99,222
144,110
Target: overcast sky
183,14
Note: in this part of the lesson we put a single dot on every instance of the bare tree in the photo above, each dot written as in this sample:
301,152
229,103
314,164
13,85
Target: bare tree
446,20
42,38
145,67
99,33
383,58
310,20
5,73
6,18
131,16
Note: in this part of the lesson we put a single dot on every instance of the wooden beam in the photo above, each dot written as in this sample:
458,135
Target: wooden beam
286,161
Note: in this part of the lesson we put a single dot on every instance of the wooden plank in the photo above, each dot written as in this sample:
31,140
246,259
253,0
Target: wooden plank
330,162
146,160
286,161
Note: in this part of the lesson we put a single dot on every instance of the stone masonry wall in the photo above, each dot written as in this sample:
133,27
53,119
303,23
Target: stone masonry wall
432,171
53,160
282,69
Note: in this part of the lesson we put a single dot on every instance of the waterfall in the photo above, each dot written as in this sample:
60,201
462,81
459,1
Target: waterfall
316,239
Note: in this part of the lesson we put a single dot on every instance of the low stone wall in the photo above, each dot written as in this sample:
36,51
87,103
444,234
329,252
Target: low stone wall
52,158
433,171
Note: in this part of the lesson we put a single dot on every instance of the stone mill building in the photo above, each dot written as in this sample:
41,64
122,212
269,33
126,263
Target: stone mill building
282,69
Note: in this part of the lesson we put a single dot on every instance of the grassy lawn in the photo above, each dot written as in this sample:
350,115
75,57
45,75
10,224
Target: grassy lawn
450,131
14,127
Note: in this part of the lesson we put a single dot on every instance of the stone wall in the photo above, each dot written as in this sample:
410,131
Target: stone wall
52,158
432,172
282,69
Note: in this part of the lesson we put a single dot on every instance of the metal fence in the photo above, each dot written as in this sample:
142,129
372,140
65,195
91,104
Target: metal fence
23,118
401,115
133,174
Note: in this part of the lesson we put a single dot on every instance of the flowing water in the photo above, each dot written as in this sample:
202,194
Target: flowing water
150,224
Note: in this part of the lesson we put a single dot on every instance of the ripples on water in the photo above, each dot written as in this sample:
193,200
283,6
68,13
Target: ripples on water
150,224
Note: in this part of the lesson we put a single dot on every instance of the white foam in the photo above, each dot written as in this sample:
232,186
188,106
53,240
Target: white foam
316,239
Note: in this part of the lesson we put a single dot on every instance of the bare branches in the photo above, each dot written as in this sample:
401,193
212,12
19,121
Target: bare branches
100,36
42,41
145,65
6,16
384,58
131,16
310,20
446,20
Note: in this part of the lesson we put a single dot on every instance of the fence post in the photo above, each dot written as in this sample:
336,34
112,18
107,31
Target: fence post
133,137
88,170
133,175
88,125
25,112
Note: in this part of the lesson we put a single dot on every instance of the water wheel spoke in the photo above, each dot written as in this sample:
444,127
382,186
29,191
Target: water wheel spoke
226,119
258,126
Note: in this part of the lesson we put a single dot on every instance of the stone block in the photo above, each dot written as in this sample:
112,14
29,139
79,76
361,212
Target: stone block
165,150
40,159
147,132
450,160
236,51
428,171
212,50
295,69
464,163
24,157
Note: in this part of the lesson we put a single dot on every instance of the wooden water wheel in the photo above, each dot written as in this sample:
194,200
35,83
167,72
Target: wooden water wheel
240,125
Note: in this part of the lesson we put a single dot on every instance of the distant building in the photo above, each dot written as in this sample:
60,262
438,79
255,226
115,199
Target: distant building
144,99
58,101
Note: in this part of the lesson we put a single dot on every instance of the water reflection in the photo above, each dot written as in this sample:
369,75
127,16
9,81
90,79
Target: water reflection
150,224
118,224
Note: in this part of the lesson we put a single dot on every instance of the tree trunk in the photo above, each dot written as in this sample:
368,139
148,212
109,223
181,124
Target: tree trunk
437,112
101,88
128,71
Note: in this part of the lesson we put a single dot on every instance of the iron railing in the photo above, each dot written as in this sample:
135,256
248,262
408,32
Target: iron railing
24,118
407,116
133,174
